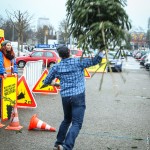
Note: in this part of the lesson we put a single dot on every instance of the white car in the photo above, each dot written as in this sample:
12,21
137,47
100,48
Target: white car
23,53
127,52
147,62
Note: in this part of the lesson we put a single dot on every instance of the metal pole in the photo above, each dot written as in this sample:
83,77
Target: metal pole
71,41
45,39
148,142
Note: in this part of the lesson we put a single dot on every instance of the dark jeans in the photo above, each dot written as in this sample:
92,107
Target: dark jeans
74,108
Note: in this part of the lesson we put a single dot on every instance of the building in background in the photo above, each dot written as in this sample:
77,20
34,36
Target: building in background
43,22
138,38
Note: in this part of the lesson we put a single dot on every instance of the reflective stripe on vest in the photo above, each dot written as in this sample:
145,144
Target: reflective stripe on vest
7,65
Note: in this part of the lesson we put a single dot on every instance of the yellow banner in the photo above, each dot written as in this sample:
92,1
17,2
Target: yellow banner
9,95
1,36
1,33
97,67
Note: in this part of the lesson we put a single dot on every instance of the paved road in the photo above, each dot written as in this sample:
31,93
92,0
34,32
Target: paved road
131,63
117,117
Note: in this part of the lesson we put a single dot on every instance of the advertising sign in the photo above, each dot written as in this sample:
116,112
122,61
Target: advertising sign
8,95
1,36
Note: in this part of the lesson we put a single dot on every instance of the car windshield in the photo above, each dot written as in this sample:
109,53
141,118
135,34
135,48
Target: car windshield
37,54
112,53
73,52
110,56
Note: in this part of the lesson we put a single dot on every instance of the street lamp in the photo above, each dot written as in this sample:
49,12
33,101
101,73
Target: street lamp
46,33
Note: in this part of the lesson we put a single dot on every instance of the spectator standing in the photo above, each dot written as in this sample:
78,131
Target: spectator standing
8,64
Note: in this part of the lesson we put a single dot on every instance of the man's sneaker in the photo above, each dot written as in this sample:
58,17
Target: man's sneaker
60,147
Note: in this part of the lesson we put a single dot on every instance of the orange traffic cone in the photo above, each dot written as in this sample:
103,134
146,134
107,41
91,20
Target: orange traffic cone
1,125
35,123
14,120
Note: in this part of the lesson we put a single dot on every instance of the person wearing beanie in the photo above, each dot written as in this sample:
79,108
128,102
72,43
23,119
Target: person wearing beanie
70,72
8,64
5,42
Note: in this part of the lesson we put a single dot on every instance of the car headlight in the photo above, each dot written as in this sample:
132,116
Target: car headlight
118,63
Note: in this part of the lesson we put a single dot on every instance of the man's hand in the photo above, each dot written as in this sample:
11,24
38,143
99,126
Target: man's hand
15,74
55,83
52,84
5,75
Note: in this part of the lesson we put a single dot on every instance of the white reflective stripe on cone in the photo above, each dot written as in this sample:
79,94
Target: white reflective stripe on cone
15,119
47,127
15,110
39,124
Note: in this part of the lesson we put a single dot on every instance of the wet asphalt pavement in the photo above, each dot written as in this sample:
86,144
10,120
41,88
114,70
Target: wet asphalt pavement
116,118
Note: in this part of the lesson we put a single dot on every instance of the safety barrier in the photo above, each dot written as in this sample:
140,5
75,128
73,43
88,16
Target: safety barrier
32,72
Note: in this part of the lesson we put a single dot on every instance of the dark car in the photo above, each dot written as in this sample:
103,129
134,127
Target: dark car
49,58
142,60
115,63
147,66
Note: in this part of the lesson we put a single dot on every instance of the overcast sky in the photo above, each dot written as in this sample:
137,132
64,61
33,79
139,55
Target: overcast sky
138,10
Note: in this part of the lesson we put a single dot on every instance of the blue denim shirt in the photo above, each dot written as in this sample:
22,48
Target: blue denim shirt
70,72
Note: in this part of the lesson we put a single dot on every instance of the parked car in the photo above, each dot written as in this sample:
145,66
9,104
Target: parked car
89,53
113,53
36,49
24,52
49,58
117,54
147,62
147,65
134,53
139,54
142,60
76,52
115,63
127,52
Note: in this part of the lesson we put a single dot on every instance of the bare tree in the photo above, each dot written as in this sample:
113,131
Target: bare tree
63,32
6,25
21,22
44,33
1,21
51,32
149,23
148,34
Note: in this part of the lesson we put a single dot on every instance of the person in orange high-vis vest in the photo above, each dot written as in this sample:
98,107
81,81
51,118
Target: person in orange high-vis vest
8,64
